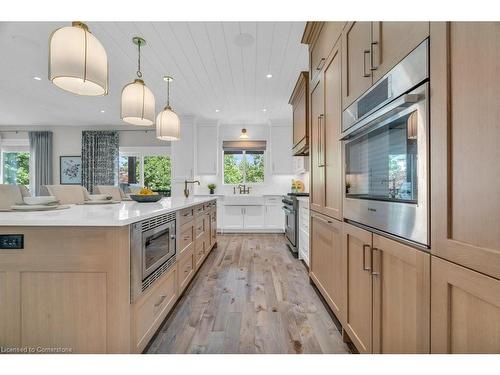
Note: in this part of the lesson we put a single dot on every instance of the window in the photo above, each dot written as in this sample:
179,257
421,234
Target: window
148,167
15,162
243,166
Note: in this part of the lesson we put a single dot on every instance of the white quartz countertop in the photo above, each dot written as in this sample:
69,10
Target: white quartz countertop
106,215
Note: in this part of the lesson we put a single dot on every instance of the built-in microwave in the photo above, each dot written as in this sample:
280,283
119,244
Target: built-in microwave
152,251
386,155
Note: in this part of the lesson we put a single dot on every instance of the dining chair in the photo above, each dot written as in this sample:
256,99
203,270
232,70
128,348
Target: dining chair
9,196
116,193
68,194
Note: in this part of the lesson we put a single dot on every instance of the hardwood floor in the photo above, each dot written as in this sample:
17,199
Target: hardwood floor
250,296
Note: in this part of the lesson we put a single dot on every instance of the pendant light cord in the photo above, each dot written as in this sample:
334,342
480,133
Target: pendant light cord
168,93
139,73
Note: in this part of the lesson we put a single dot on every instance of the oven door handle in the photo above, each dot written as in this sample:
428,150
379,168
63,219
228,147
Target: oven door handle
287,210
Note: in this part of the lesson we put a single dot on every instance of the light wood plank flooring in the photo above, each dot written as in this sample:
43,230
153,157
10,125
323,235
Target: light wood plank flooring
250,296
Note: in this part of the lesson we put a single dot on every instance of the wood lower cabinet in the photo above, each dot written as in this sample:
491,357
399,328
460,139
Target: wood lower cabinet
357,301
326,260
465,134
401,298
186,269
392,41
465,308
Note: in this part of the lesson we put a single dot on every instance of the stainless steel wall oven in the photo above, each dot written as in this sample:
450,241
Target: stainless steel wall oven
386,151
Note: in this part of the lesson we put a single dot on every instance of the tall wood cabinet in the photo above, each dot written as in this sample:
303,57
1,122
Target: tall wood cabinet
465,134
326,260
326,156
371,49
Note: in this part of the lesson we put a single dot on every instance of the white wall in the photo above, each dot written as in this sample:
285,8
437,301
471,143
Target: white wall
67,140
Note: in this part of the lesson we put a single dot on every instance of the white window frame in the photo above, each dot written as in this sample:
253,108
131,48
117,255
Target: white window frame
141,152
263,183
15,145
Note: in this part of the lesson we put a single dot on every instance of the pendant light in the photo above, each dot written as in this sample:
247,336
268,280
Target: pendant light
77,61
168,125
244,134
138,102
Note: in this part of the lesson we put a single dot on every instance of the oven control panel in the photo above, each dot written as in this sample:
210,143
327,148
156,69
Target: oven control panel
11,241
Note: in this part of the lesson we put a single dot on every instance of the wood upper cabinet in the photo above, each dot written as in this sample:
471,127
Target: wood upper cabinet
465,310
357,301
300,110
465,134
357,76
401,298
326,260
392,41
331,127
317,172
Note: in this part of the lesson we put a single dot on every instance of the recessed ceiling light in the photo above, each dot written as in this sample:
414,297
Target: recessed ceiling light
269,75
217,110
37,78
264,110
102,111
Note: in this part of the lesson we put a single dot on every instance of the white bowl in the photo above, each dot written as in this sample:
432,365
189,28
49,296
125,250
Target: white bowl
40,200
100,197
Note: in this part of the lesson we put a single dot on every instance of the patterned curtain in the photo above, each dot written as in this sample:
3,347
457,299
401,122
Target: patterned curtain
99,158
41,159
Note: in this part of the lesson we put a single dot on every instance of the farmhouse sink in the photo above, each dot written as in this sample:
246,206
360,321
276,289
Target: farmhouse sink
243,200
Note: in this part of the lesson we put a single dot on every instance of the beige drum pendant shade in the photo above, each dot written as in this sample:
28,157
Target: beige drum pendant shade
138,104
168,124
77,61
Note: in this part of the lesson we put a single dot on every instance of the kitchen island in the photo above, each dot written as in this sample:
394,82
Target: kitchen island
65,285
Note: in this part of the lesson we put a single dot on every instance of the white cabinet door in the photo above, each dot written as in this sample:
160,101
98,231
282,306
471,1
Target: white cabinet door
274,217
233,217
207,150
281,150
253,217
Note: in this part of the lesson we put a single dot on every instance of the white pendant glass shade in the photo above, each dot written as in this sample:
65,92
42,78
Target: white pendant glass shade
138,104
168,125
77,61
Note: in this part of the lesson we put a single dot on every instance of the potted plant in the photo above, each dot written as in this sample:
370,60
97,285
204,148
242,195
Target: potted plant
211,187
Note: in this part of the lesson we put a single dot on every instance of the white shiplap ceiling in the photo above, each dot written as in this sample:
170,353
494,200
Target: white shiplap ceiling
210,71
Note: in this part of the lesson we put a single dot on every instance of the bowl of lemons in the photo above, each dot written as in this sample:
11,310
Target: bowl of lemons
146,195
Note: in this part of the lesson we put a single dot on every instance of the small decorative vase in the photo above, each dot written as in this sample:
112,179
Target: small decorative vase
212,191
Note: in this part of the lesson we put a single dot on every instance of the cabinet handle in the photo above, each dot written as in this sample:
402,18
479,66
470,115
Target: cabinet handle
365,52
321,219
322,139
321,64
162,298
375,251
372,66
364,258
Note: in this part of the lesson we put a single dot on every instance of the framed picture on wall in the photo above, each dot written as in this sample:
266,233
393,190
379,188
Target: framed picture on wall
70,170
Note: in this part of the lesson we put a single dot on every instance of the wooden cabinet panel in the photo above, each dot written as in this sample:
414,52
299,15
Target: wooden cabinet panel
300,111
326,260
356,77
186,269
186,215
317,178
186,239
392,41
357,301
199,251
10,309
465,134
213,226
332,124
465,310
64,310
153,307
401,298
199,227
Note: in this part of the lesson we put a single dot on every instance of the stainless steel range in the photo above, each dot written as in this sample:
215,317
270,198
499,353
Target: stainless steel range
291,208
